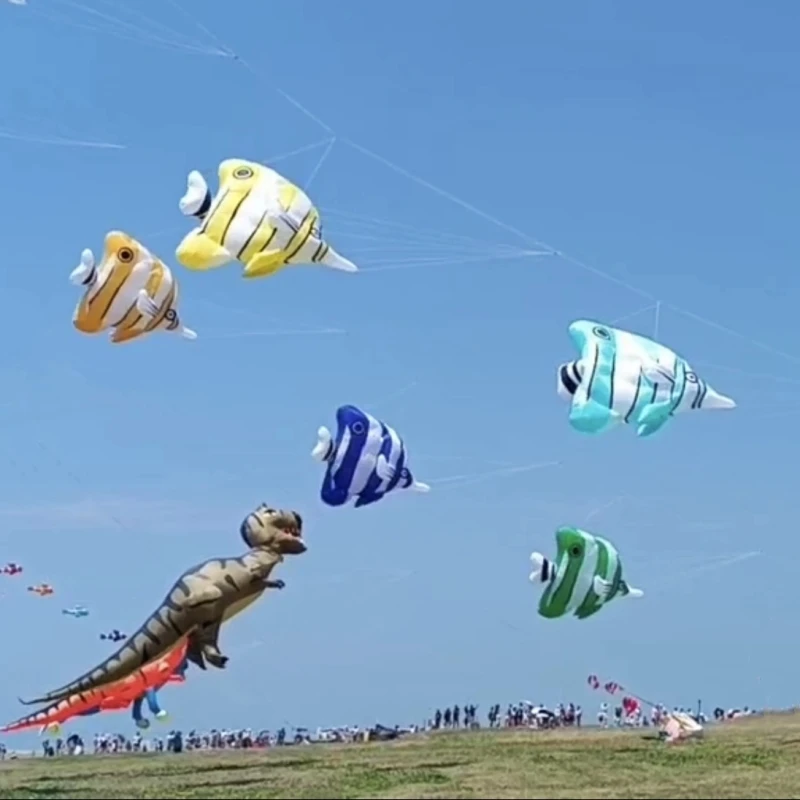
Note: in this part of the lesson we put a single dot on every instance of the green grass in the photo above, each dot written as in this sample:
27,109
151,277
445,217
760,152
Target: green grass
753,758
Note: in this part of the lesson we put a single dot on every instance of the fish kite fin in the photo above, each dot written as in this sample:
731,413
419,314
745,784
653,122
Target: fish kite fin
383,469
324,447
265,263
602,588
145,304
147,307
199,252
592,417
653,417
85,273
197,200
335,261
418,486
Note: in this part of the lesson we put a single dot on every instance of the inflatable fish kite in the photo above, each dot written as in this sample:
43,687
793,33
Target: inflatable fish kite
586,574
114,636
623,377
11,569
366,460
43,589
112,696
132,292
256,217
76,611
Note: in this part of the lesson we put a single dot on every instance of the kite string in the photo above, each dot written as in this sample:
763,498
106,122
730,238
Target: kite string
499,222
228,52
57,140
321,161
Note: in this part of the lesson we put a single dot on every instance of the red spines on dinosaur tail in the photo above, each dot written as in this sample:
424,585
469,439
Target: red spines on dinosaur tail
117,695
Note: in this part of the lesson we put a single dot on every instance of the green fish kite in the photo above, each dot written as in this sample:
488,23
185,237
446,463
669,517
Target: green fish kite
586,574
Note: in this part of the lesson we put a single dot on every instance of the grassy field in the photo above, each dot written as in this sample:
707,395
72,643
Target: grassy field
753,758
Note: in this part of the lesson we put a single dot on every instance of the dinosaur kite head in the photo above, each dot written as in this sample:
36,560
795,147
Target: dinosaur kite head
274,529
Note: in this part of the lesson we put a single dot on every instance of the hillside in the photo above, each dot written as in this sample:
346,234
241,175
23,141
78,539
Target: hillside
755,758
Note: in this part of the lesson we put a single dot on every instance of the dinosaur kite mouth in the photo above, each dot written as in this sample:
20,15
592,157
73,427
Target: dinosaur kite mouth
295,531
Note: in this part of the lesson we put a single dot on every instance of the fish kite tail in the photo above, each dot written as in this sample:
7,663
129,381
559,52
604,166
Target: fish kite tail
324,447
187,333
85,273
335,261
631,591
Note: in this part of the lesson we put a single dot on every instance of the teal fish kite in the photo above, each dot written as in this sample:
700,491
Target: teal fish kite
585,575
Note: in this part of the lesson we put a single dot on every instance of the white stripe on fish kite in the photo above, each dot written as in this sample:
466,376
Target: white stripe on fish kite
366,460
625,378
256,217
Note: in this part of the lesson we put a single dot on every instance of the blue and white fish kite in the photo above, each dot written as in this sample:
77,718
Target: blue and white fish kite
76,611
366,460
625,378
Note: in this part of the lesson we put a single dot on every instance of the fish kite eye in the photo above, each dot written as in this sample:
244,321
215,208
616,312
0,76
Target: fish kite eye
691,377
358,428
575,550
125,255
602,333
243,173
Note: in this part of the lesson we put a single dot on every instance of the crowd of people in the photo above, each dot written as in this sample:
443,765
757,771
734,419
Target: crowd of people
523,714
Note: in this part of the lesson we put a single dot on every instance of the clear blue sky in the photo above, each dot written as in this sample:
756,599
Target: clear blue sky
655,144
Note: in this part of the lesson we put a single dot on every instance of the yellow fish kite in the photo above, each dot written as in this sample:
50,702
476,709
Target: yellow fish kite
256,217
132,292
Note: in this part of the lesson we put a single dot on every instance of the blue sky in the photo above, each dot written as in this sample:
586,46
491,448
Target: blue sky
655,145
